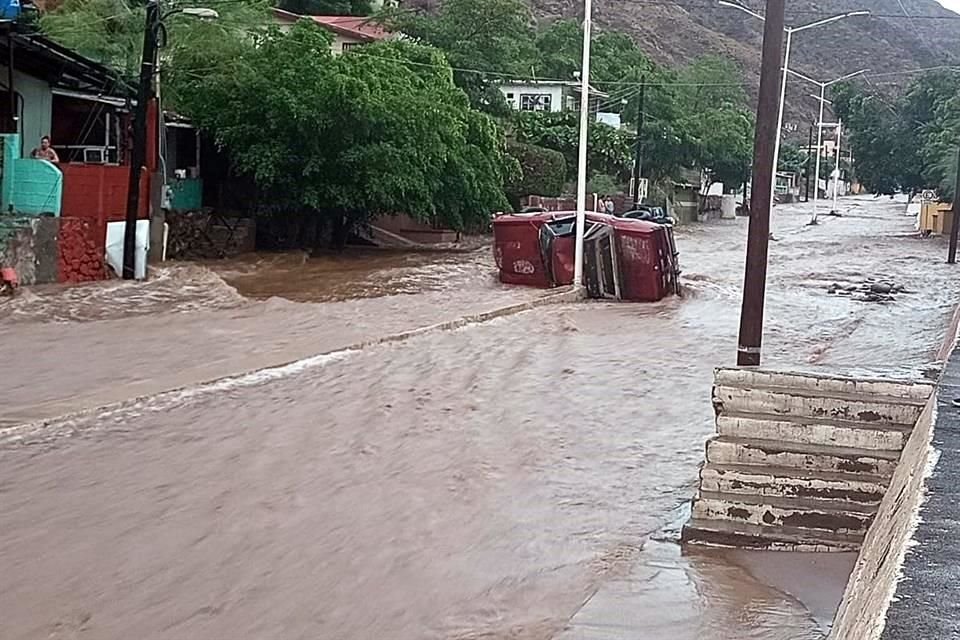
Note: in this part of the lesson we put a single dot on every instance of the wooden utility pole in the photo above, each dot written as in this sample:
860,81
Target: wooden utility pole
764,145
955,226
138,154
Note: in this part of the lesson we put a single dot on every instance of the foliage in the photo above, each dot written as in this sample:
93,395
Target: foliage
111,32
609,150
542,172
482,40
327,7
603,184
906,144
351,137
792,159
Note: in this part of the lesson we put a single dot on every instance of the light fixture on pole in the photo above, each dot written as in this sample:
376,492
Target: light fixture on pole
154,31
823,100
836,168
786,66
582,149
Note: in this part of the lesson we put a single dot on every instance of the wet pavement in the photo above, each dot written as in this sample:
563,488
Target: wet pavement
517,479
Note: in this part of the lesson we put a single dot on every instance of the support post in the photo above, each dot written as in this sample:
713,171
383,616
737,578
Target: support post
955,226
638,159
138,154
582,151
780,106
806,188
816,173
764,170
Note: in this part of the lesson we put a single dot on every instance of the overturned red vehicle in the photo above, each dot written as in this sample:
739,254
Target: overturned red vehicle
624,258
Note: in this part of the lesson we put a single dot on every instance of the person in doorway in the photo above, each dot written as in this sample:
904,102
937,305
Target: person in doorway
45,151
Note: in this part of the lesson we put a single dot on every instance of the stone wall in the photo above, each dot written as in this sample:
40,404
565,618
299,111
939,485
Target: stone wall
81,246
47,249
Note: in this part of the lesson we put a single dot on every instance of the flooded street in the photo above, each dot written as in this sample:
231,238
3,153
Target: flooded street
522,478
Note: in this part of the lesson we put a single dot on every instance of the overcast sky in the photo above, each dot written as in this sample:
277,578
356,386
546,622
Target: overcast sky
951,4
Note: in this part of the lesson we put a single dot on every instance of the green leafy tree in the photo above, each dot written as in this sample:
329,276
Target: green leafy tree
111,32
907,143
792,159
481,39
542,172
609,150
344,139
327,7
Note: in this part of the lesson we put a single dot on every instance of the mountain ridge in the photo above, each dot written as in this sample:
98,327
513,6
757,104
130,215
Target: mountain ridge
675,32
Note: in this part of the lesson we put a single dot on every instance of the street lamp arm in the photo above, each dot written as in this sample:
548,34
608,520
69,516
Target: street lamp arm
803,77
848,76
735,5
840,16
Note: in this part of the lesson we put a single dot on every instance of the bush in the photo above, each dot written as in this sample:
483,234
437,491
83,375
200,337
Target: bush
543,171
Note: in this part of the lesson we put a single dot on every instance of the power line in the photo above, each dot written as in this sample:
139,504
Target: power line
795,12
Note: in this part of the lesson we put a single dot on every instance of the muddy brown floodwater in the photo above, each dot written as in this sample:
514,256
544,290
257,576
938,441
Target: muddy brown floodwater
521,479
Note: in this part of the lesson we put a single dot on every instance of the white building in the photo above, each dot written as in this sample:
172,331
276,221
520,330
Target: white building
556,96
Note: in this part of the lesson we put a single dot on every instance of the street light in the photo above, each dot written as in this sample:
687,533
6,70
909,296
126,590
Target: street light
823,100
582,149
148,67
786,65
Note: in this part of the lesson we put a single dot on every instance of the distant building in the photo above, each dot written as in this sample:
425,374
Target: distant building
348,31
555,96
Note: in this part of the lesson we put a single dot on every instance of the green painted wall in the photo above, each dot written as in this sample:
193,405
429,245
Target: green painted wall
37,110
29,186
186,194
37,187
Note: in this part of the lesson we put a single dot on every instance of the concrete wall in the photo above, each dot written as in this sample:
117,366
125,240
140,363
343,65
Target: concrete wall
37,187
873,583
37,109
870,588
45,249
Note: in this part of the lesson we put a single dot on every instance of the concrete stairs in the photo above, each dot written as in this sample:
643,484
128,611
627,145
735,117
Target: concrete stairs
800,461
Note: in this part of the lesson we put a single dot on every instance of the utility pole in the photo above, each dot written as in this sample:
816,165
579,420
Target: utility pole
806,188
955,226
836,168
638,160
138,154
764,145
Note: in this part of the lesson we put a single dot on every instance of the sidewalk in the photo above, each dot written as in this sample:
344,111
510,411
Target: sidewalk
927,599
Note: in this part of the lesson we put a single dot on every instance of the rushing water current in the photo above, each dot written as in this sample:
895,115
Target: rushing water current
522,478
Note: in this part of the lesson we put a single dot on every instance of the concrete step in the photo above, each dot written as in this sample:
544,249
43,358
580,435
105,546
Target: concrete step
799,513
783,482
809,404
873,436
720,533
725,450
824,384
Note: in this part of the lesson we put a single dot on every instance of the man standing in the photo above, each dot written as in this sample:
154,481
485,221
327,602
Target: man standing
45,151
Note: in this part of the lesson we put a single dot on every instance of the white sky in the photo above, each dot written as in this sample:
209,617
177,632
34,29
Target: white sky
953,5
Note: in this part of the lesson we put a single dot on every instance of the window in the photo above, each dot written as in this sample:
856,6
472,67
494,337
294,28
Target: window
535,101
347,46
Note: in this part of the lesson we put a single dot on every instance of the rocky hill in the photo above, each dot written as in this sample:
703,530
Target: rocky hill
674,32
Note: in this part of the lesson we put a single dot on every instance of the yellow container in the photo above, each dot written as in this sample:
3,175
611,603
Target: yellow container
936,218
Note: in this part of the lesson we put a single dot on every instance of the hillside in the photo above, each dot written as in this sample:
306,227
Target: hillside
674,32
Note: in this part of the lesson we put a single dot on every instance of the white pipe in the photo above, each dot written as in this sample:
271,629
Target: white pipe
783,97
816,174
836,171
582,150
